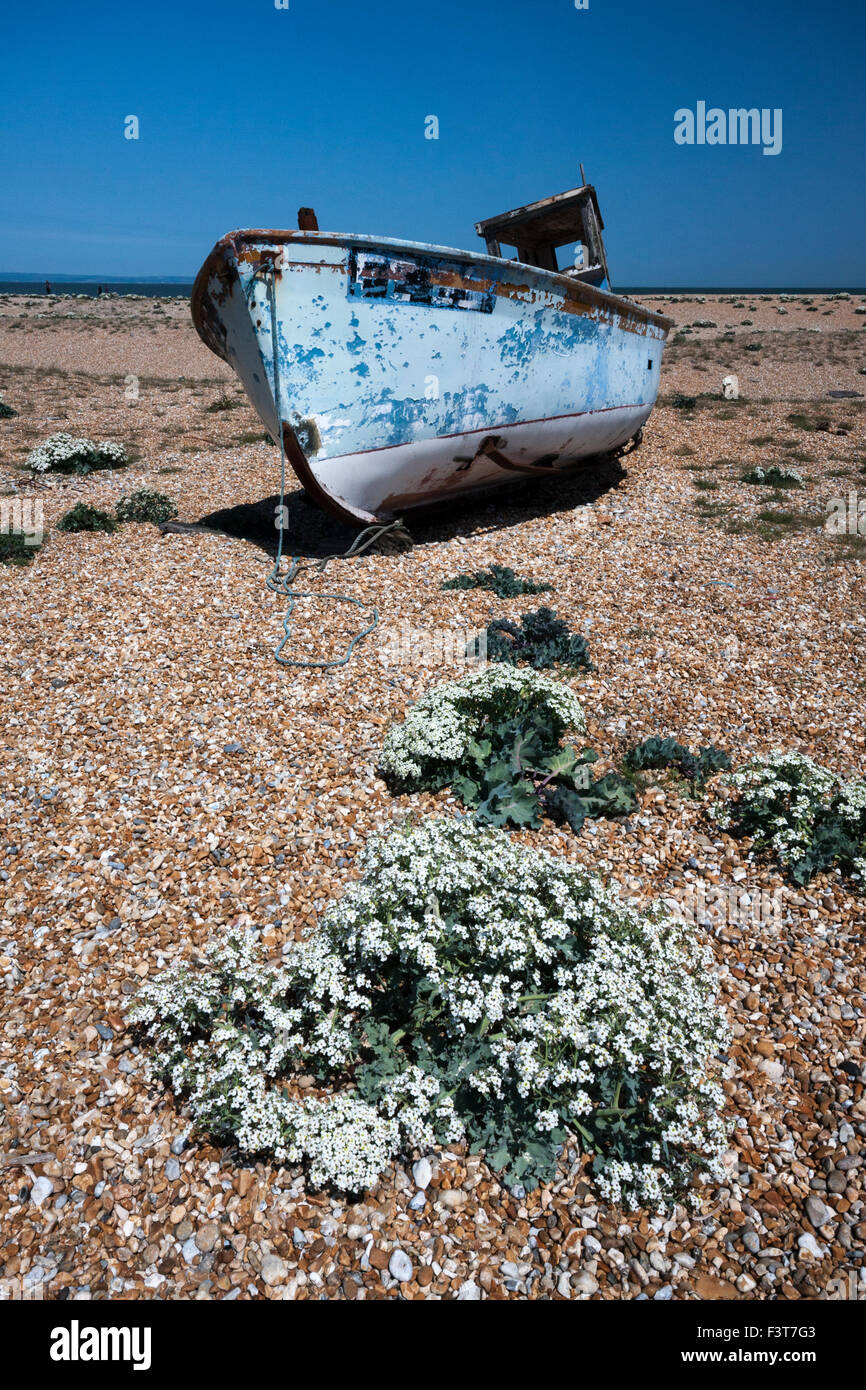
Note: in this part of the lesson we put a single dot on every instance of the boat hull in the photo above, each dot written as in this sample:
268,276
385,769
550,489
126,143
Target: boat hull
407,374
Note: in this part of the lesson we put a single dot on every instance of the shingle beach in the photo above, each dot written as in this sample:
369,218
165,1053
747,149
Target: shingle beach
165,780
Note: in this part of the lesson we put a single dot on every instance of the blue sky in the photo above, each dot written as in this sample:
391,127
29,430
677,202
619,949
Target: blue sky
247,112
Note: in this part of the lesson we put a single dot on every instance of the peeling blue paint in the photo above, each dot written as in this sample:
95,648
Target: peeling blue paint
507,348
401,279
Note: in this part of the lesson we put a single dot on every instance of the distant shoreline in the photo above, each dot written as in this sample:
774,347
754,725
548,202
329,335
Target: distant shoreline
149,289
172,287
29,277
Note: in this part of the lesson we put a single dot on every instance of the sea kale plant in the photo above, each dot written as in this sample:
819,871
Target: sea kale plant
146,505
500,579
799,811
63,453
494,738
775,476
84,517
541,640
465,988
17,548
6,411
657,752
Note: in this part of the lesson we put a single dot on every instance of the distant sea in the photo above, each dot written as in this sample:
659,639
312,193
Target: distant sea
181,289
155,289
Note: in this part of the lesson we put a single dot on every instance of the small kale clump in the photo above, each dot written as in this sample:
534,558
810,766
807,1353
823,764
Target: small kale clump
500,579
801,812
6,411
16,548
146,505
83,517
464,989
659,752
494,738
541,640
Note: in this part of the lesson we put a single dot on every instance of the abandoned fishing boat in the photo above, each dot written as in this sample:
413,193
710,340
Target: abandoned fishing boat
397,374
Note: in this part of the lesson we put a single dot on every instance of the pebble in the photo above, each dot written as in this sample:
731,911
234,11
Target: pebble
207,1236
819,1213
41,1191
774,1070
400,1266
584,1283
808,1242
274,1270
453,1199
422,1172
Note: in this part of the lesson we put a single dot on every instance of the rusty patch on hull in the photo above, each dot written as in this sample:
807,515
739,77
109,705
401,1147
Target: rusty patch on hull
239,246
336,506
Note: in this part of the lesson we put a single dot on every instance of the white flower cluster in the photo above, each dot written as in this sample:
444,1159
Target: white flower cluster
781,793
64,453
851,809
439,727
502,948
782,796
775,476
851,806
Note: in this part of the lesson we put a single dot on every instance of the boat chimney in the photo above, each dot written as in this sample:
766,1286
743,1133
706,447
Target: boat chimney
307,220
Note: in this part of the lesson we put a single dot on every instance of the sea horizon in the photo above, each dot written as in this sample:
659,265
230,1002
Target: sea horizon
179,286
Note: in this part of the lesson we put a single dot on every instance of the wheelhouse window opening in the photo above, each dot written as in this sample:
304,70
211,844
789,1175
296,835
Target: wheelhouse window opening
569,223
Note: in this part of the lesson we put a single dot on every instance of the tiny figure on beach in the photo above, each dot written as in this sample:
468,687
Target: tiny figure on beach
47,286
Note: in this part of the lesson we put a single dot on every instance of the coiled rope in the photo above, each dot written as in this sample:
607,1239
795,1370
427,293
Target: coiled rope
282,582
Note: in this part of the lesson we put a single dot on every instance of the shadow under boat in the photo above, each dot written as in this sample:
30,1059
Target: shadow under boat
312,533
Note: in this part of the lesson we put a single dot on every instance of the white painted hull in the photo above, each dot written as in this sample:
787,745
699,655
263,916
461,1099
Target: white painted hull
404,476
408,373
